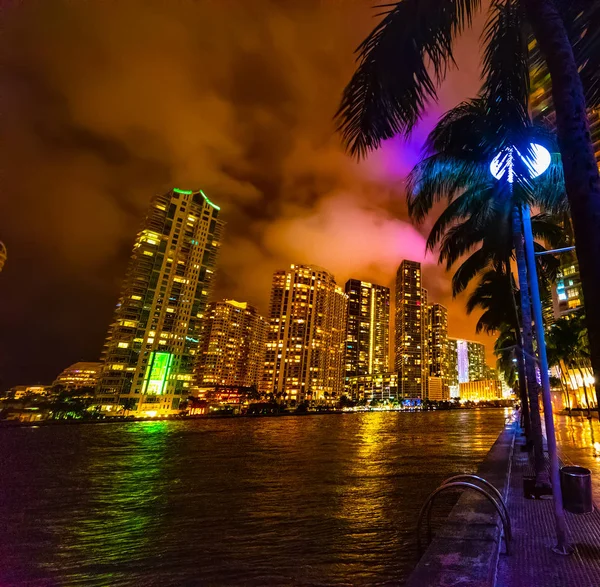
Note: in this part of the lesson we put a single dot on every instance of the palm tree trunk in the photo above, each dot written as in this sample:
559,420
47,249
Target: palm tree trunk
523,392
541,475
582,180
565,388
585,393
520,356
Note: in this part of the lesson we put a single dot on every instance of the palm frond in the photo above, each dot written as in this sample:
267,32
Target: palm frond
546,227
461,133
439,177
464,237
459,209
582,21
473,265
506,72
392,84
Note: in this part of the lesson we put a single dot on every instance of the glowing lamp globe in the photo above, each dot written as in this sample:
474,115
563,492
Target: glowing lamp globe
537,162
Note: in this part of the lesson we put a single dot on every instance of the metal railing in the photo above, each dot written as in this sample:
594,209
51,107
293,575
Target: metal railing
453,482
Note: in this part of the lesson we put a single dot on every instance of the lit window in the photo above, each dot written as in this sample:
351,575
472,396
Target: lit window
123,345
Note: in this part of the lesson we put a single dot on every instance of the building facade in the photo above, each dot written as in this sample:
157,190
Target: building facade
410,346
306,335
567,295
437,390
378,387
466,362
368,332
438,342
478,368
481,390
232,346
151,347
21,391
79,375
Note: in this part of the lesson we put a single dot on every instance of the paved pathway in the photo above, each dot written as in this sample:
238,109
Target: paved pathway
532,562
578,443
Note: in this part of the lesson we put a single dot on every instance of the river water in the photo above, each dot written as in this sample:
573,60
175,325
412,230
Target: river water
305,500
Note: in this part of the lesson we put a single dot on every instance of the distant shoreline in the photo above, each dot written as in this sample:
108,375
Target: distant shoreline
4,424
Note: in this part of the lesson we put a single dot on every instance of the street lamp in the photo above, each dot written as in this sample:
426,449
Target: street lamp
536,162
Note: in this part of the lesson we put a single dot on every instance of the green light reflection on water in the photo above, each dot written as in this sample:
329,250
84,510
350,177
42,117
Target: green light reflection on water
122,514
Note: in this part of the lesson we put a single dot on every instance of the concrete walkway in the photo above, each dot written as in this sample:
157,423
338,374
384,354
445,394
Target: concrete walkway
532,562
468,551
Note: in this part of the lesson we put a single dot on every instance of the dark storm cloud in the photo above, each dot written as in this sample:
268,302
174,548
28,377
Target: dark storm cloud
106,103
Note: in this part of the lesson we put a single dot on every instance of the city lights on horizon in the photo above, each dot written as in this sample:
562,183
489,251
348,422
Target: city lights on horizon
319,342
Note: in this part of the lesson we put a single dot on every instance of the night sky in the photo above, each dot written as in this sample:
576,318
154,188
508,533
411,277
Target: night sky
105,103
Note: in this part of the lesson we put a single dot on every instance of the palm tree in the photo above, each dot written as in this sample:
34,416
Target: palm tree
568,348
128,404
496,294
407,55
482,219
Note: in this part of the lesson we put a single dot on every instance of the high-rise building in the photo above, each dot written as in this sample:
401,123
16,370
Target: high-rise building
438,341
79,375
232,346
566,291
466,362
477,365
3,255
411,332
566,294
151,347
453,382
367,337
306,335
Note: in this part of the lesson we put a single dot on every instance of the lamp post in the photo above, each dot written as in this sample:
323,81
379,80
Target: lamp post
536,162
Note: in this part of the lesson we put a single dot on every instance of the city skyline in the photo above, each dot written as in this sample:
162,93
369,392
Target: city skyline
381,293
100,152
319,341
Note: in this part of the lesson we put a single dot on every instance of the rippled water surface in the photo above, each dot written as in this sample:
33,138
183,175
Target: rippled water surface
308,500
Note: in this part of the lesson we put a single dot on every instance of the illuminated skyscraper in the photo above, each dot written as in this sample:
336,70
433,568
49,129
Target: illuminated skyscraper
466,361
232,345
411,332
306,335
367,337
478,368
151,346
438,342
3,255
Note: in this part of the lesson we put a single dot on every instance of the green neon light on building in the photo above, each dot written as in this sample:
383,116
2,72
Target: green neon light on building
177,190
209,202
157,373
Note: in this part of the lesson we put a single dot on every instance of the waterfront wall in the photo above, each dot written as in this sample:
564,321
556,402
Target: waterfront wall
465,550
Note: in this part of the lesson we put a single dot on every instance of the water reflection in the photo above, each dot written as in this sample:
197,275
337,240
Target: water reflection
120,513
577,438
272,501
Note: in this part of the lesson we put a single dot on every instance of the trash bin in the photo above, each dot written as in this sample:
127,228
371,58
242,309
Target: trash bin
576,485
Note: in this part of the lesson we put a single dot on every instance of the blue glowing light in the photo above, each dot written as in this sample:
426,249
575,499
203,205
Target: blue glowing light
536,163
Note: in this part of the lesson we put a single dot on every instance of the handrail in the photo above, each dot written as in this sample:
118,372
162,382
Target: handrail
492,487
443,487
505,518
